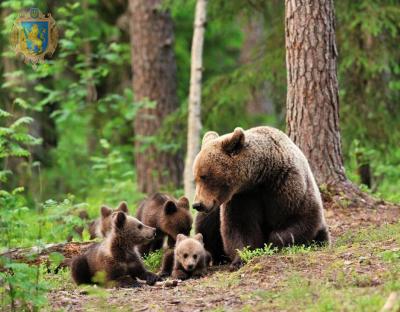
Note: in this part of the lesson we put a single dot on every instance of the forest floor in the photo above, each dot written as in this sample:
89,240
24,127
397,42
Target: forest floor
358,272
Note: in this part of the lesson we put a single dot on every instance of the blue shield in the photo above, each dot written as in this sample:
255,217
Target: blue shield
36,35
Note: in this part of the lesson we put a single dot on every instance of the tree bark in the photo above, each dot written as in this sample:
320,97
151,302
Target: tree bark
154,79
313,96
37,255
194,117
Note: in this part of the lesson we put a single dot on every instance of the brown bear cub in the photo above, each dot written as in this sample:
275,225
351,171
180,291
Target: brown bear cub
190,257
116,255
169,216
102,225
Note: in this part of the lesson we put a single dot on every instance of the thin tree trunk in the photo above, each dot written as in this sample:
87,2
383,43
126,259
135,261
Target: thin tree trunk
194,118
259,101
91,93
154,79
312,96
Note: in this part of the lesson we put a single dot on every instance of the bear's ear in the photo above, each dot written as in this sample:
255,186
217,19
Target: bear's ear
234,143
170,207
105,211
180,237
123,206
120,219
199,237
184,202
208,136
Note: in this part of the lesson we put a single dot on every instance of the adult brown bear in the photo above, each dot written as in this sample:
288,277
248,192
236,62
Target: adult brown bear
265,189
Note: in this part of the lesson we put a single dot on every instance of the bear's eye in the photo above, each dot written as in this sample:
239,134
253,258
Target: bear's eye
194,257
203,177
185,255
140,226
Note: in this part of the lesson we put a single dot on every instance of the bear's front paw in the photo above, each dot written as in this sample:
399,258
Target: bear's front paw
236,264
151,278
277,239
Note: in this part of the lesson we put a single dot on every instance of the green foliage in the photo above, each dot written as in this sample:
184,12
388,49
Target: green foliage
246,254
20,286
153,260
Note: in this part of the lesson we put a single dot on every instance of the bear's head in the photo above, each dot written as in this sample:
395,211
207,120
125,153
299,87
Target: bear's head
176,217
218,169
130,230
104,225
189,251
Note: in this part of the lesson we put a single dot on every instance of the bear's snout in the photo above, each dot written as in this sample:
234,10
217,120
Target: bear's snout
199,207
152,233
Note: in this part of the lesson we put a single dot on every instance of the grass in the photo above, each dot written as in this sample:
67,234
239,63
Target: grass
152,261
357,273
361,281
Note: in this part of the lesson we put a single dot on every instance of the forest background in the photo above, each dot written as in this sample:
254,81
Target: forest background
67,134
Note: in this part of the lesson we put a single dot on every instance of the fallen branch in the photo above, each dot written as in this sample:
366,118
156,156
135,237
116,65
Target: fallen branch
38,255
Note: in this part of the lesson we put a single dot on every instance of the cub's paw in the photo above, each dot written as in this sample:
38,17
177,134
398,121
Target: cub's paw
236,264
163,275
180,275
151,278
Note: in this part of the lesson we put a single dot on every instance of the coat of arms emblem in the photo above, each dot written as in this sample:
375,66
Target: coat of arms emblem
34,35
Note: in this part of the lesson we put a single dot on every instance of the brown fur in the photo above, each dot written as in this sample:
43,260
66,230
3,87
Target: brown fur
116,255
170,217
264,186
209,225
102,225
190,257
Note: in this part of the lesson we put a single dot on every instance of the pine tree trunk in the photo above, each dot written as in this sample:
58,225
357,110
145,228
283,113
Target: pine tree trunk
194,118
312,96
154,79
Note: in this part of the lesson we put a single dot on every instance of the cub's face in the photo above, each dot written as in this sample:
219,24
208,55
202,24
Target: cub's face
177,218
217,169
189,251
132,229
105,224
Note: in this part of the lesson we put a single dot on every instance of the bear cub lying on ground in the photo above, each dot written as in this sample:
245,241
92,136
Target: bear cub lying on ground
190,257
116,255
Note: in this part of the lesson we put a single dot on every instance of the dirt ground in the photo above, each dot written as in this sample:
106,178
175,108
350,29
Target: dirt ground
222,290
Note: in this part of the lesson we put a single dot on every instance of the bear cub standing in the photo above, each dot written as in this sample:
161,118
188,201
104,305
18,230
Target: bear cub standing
116,255
190,257
169,216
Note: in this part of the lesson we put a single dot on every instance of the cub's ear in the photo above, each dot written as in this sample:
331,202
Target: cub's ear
120,219
199,237
184,202
208,136
105,211
235,142
170,207
123,206
180,237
